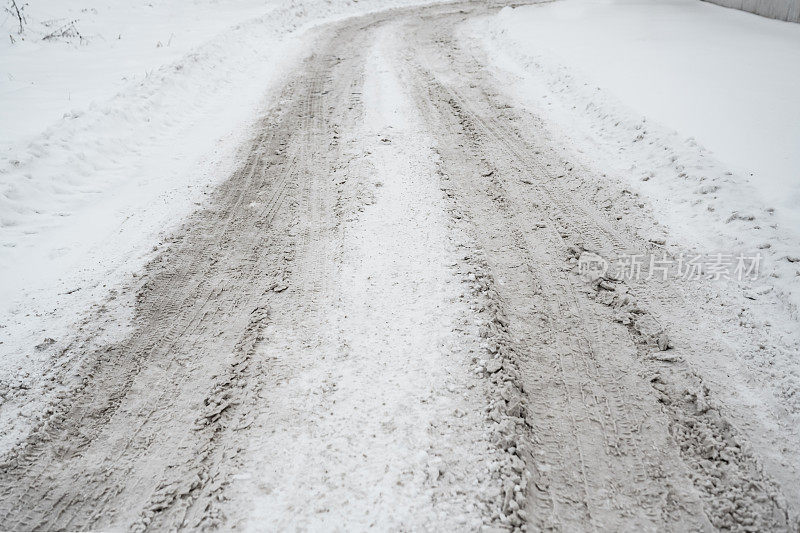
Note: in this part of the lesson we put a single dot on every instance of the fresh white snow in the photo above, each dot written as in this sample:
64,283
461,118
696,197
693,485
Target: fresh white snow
118,44
727,78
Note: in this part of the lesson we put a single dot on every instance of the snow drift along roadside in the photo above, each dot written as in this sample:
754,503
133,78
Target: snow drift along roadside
71,54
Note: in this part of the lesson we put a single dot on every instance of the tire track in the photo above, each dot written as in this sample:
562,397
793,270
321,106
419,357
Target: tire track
216,285
616,488
571,225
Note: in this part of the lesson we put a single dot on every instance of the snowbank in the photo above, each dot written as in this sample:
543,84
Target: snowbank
693,104
100,48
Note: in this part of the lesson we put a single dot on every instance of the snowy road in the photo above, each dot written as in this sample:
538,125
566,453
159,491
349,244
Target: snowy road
379,321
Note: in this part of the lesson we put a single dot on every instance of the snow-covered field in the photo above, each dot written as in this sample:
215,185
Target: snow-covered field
108,46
